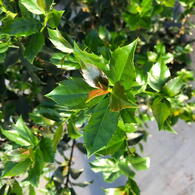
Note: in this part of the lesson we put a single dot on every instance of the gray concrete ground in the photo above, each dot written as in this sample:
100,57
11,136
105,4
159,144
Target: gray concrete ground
172,170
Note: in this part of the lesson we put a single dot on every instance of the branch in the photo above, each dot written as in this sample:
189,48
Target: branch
69,163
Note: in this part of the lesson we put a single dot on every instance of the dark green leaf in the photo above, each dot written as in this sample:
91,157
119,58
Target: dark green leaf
168,3
161,109
4,47
23,27
132,187
147,7
139,163
128,115
2,189
101,127
108,167
117,141
127,127
64,61
32,6
89,59
16,168
31,190
167,127
122,65
119,99
36,171
45,5
20,134
59,41
81,148
73,132
70,92
125,169
160,48
15,189
93,41
47,150
158,75
58,135
50,113
173,87
34,46
53,18
75,173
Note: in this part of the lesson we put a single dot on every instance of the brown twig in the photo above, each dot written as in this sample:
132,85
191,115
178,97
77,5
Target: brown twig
69,163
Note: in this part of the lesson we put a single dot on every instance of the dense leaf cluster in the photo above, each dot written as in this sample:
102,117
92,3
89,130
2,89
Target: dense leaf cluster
94,69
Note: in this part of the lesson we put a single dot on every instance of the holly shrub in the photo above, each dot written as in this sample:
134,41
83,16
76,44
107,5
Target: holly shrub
90,75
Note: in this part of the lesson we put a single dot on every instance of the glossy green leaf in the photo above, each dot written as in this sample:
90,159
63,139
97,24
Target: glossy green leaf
132,187
73,132
147,8
64,61
31,190
93,40
158,75
18,155
47,149
24,11
75,173
119,99
23,27
167,58
101,127
45,5
4,47
125,168
127,127
108,167
58,135
36,171
122,65
115,191
90,59
117,142
54,17
16,189
168,127
139,163
135,137
34,46
70,92
59,41
94,77
128,115
16,168
2,189
152,56
160,48
20,134
32,6
173,87
168,3
161,109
